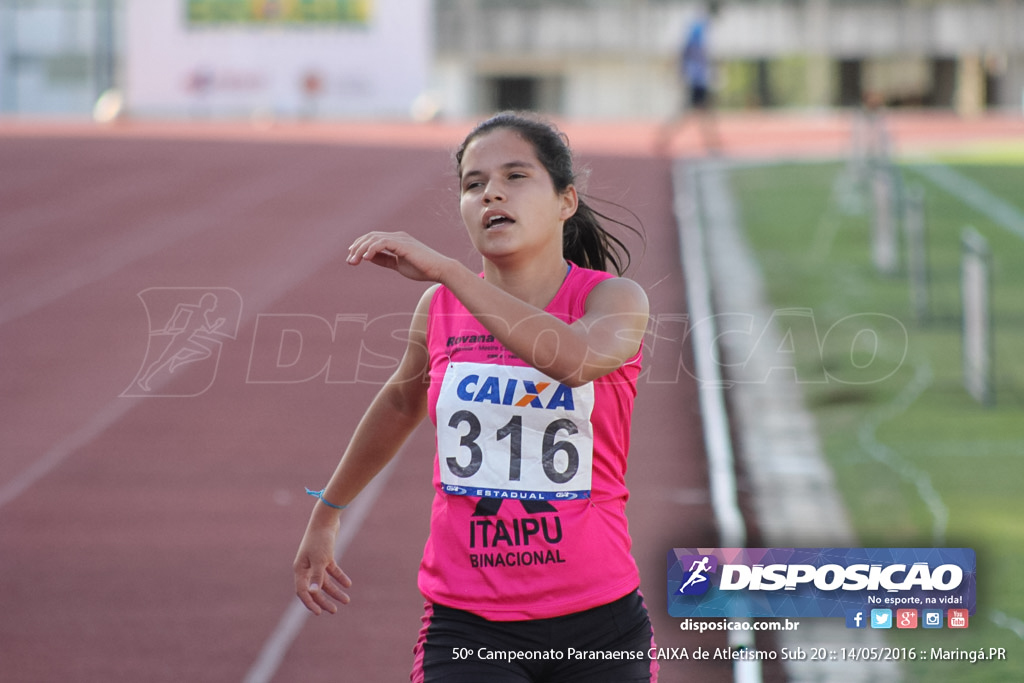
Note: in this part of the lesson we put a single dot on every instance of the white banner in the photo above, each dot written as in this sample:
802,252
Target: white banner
370,62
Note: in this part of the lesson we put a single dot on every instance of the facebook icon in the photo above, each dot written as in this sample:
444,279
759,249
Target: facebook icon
856,618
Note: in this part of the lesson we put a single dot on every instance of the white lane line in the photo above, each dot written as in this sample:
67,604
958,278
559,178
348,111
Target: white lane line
718,443
1004,620
146,239
324,242
783,459
867,437
295,615
976,196
96,425
724,499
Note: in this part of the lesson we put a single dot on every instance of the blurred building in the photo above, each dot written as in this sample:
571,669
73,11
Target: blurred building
617,58
577,58
57,56
216,58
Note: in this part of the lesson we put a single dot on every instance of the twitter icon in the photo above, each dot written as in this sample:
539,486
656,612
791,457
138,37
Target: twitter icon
881,618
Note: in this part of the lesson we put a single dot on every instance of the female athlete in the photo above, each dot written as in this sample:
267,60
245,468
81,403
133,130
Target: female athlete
528,371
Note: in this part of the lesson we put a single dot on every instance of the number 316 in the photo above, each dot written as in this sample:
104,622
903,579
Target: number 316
513,431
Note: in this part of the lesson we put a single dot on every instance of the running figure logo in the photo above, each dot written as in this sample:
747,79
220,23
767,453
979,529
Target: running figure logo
696,581
187,328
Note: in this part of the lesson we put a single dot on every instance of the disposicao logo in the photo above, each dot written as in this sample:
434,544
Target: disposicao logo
696,581
894,577
821,582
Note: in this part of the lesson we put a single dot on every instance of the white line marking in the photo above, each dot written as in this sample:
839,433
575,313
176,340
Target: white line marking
1004,620
295,615
324,242
721,464
974,195
146,239
40,467
866,436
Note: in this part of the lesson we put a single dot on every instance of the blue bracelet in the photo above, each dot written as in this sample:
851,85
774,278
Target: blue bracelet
320,494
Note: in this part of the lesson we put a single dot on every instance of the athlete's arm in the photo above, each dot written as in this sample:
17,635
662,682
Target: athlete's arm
608,334
398,408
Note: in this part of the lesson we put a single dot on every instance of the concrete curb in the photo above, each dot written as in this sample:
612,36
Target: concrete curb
792,487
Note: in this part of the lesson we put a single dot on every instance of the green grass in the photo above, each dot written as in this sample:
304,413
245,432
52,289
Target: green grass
901,430
1002,152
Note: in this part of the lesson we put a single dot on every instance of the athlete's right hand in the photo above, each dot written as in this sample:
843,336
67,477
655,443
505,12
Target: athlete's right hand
402,253
319,581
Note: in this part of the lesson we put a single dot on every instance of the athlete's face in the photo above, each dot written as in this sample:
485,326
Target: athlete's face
508,201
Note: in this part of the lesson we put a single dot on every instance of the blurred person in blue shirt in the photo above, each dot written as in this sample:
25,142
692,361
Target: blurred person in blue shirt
696,73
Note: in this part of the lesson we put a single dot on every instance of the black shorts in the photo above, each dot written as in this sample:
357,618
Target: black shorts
606,644
700,96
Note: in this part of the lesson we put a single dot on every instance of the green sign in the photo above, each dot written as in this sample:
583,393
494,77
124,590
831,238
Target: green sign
303,12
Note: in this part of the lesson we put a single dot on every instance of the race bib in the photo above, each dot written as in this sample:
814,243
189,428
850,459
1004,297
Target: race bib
513,432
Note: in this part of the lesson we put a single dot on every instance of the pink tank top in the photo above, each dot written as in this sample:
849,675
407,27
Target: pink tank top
528,519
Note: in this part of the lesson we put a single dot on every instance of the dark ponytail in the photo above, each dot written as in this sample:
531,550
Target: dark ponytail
585,241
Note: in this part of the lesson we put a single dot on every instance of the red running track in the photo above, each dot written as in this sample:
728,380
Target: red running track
147,530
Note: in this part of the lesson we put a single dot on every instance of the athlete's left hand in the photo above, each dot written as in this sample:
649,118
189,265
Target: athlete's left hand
402,253
319,582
